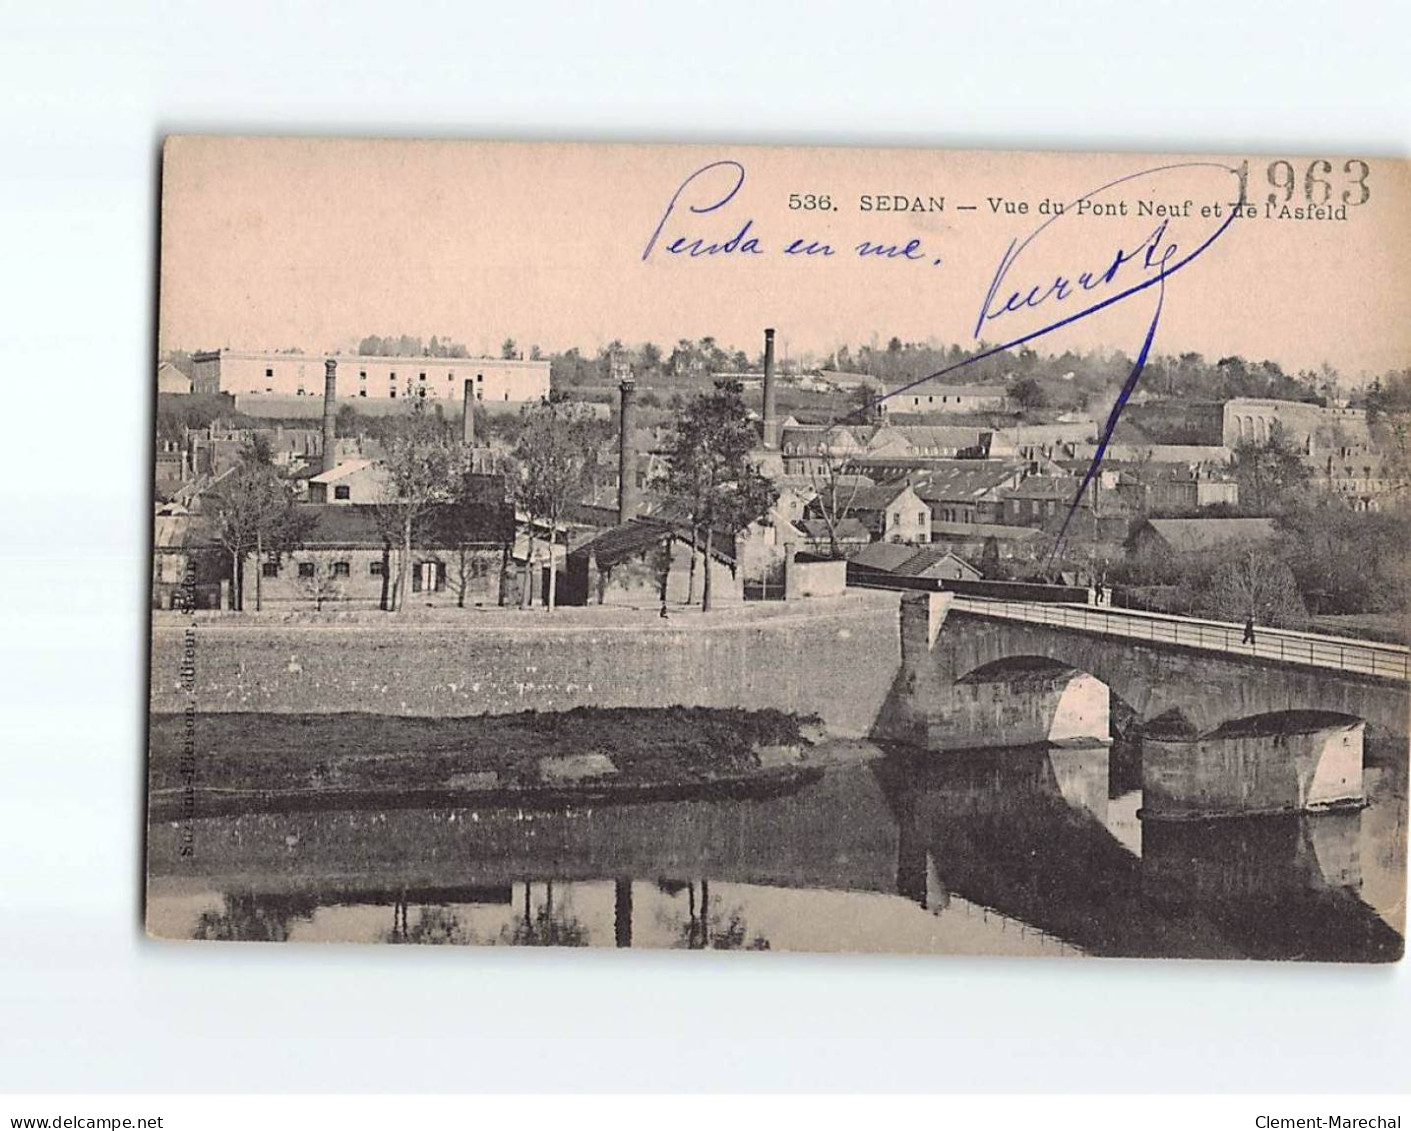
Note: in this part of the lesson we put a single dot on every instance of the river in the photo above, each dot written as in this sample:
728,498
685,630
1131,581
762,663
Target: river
1007,852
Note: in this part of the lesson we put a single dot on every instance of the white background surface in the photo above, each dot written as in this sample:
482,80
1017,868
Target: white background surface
88,90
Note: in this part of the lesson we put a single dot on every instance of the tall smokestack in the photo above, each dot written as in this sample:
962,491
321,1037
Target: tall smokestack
468,418
771,420
330,407
626,455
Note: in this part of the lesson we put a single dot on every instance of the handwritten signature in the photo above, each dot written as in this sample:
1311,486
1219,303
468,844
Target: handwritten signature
1145,265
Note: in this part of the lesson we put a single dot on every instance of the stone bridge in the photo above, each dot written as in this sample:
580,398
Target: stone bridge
1271,726
946,640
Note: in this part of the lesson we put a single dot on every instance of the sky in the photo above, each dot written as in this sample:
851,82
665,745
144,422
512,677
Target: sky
279,243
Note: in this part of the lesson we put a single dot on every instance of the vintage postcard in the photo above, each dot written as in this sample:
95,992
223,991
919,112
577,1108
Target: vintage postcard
730,547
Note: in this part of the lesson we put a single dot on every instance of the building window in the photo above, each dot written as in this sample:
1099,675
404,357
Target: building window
921,518
269,569
269,374
306,570
429,576
392,392
342,491
341,569
301,390
421,376
374,569
362,392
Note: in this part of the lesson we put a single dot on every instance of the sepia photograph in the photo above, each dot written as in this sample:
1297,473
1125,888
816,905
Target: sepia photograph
920,551
697,566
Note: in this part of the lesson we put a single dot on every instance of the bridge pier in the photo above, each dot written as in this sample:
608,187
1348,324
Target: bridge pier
1283,762
1023,701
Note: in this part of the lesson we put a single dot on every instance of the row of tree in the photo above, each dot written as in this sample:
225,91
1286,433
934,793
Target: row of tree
559,457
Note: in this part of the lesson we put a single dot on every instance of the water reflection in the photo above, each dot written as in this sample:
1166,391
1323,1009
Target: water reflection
1008,852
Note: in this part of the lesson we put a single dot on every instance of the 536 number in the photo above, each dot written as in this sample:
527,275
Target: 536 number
810,202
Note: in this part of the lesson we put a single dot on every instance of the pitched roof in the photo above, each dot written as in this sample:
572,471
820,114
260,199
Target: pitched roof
1193,535
356,524
878,497
343,469
849,530
907,561
884,556
636,537
929,436
965,479
1064,487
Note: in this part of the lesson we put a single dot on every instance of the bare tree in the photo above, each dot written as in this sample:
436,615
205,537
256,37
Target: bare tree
423,465
835,493
320,582
1255,584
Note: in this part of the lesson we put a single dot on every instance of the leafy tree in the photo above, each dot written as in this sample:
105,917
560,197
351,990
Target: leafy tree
556,456
1388,405
1271,474
254,513
709,467
1028,393
509,349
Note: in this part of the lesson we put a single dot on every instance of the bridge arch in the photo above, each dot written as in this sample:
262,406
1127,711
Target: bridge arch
1020,701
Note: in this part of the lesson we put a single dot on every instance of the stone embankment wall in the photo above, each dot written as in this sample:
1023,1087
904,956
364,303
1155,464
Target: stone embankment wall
836,658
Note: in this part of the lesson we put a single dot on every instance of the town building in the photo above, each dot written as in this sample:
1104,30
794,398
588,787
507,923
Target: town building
255,375
1045,501
850,536
930,563
982,541
187,562
349,558
934,398
1163,537
892,512
645,563
171,380
968,490
354,482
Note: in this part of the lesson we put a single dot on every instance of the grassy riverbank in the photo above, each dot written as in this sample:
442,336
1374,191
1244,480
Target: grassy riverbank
591,751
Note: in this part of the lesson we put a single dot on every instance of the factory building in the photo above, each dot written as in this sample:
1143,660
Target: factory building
252,375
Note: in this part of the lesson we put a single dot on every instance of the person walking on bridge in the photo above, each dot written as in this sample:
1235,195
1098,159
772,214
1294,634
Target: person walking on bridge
1248,630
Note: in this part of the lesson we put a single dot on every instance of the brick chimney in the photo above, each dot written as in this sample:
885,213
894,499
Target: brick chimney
771,419
468,415
626,455
330,407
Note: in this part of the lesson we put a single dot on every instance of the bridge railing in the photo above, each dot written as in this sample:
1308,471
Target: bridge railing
1369,657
